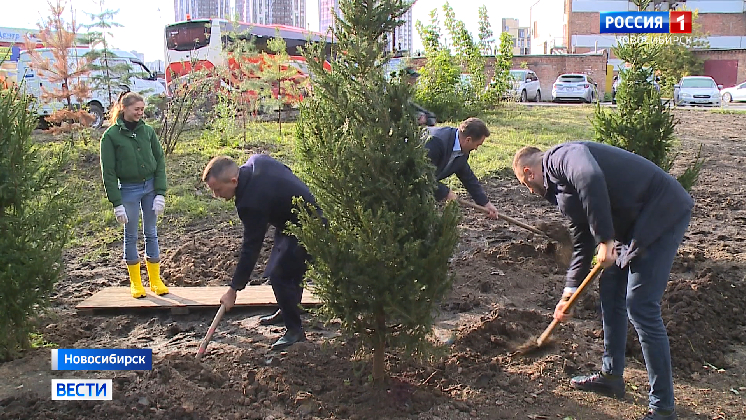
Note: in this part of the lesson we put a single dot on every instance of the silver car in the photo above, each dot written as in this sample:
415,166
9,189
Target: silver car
697,90
575,87
525,86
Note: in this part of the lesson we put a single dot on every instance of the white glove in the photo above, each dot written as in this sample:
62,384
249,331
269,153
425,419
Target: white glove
121,215
159,204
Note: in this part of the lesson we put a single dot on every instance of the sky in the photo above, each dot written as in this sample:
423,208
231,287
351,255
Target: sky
143,20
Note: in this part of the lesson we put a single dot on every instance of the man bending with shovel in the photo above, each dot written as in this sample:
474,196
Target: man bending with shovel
448,149
263,189
636,214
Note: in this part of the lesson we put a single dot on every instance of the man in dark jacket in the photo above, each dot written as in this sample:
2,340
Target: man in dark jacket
637,214
263,189
448,149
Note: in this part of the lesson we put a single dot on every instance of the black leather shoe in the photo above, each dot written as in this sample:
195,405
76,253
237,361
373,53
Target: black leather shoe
600,383
290,338
657,415
274,319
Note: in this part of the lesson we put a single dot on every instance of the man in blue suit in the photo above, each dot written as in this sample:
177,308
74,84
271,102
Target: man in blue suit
449,149
263,189
637,215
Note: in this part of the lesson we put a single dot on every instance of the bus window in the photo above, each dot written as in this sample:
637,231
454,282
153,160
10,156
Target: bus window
187,36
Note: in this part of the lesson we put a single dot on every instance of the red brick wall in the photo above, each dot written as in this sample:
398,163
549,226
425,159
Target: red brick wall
739,55
723,24
548,67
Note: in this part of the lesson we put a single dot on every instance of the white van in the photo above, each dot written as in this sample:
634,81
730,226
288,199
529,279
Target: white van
141,81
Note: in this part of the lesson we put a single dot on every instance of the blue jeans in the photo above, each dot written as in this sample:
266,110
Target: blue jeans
636,292
137,197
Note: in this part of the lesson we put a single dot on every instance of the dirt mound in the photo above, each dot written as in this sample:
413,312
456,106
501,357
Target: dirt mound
704,317
501,331
210,260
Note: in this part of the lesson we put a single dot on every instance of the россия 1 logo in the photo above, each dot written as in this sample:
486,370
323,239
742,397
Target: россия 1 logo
673,22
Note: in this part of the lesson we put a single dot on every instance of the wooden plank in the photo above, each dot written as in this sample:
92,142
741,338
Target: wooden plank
181,299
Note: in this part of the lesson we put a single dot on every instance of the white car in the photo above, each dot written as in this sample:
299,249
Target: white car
526,86
575,87
734,94
697,90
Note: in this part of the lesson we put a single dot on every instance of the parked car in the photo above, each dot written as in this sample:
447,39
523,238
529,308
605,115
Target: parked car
734,94
526,86
697,90
575,87
653,80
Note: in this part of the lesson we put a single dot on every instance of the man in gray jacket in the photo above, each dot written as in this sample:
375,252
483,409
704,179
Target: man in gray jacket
637,214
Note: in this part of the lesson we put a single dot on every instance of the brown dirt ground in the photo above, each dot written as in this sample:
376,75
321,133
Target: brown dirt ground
506,284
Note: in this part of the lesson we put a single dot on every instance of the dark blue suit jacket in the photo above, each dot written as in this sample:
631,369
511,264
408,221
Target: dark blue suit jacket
264,196
611,194
439,149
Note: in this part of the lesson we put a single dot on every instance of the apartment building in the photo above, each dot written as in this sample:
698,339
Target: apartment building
202,9
400,40
520,35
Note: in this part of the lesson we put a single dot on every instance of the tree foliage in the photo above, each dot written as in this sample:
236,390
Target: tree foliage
34,215
642,123
380,263
108,75
486,38
63,70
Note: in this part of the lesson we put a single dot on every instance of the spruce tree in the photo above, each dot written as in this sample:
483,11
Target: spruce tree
34,216
380,264
642,123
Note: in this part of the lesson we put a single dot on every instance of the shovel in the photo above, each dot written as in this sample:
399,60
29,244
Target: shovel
210,332
532,344
561,235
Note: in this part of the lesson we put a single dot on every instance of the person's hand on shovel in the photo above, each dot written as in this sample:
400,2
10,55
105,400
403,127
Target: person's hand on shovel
559,311
493,210
228,299
606,255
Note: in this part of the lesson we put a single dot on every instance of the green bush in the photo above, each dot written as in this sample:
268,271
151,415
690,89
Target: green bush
34,221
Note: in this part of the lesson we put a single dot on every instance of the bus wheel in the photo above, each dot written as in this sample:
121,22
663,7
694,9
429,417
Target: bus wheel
98,112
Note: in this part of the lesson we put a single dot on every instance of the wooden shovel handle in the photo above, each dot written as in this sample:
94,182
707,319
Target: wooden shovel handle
210,331
503,217
570,304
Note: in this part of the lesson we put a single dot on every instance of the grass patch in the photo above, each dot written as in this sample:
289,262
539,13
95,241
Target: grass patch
188,200
37,341
514,126
728,111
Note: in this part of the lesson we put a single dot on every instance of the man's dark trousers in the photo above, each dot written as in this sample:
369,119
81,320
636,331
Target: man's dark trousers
286,276
636,291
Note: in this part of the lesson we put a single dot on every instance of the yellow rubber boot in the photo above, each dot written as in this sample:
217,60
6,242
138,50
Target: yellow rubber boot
154,277
135,280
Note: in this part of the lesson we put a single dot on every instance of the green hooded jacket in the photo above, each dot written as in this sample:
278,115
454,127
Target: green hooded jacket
131,157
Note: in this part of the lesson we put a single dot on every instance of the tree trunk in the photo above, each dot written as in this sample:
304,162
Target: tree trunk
379,348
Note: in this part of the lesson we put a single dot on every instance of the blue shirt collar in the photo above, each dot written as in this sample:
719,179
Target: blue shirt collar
457,144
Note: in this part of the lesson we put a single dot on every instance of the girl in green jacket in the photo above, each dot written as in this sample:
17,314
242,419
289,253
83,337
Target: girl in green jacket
133,168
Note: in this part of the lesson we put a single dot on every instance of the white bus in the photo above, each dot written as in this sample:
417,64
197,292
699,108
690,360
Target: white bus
141,80
201,44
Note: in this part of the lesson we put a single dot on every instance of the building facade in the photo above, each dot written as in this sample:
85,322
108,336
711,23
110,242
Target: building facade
202,9
521,36
399,41
722,21
547,27
266,12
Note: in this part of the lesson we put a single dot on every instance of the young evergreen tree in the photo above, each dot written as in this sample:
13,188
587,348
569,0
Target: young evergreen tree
64,71
108,75
34,211
381,262
642,123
